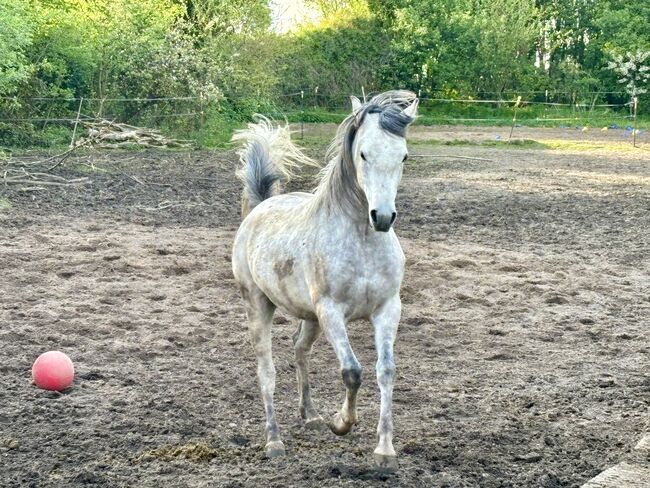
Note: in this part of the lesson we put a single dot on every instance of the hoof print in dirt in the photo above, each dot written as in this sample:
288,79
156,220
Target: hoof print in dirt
91,376
239,440
318,425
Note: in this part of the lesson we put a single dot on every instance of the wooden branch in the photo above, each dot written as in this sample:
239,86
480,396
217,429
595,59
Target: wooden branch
117,135
47,183
103,133
449,156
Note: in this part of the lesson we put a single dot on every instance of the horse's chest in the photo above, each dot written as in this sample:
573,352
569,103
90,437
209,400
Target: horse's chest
366,277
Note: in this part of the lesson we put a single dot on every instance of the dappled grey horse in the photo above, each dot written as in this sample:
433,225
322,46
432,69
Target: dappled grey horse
327,257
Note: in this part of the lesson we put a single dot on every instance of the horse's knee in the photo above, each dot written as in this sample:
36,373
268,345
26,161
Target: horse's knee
352,377
385,372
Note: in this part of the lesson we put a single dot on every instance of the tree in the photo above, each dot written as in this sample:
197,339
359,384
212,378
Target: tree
216,18
633,69
459,46
339,56
16,36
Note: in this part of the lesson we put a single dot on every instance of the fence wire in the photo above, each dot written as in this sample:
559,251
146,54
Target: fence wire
187,113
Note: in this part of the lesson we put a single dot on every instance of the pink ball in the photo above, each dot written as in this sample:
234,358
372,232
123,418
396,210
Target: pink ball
53,370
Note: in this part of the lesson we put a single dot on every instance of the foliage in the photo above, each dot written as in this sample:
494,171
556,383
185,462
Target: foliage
215,62
634,71
16,36
339,57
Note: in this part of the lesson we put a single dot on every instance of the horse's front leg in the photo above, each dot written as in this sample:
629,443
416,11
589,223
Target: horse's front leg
385,321
332,320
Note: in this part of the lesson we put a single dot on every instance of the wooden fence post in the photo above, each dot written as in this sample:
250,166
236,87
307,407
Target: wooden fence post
514,118
76,122
302,114
635,102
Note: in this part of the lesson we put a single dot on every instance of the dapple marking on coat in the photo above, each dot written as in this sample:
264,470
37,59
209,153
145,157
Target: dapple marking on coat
327,257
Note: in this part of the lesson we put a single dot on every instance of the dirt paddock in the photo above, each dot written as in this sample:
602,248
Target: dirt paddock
523,352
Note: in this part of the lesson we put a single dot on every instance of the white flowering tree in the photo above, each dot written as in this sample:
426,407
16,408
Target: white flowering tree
633,70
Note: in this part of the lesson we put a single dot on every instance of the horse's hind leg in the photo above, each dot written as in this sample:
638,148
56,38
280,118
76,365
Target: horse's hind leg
259,310
307,333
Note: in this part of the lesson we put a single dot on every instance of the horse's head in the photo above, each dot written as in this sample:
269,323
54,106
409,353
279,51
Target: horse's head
379,151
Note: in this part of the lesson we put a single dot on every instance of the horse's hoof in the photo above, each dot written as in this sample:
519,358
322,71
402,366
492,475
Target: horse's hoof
317,424
339,426
385,462
275,449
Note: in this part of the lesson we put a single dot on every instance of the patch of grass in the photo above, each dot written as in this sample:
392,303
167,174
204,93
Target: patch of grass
483,115
553,144
5,204
216,132
523,143
592,146
515,143
311,141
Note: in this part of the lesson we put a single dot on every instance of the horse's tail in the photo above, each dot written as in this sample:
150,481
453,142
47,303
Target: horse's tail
268,158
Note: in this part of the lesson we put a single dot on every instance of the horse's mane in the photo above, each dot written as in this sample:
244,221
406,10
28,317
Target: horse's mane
338,187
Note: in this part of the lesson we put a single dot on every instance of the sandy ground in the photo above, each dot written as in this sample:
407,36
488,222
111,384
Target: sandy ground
523,352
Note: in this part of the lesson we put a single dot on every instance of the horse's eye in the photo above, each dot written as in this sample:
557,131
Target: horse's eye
363,156
406,156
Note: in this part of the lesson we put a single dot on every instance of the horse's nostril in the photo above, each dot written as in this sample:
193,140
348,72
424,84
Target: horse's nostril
393,217
373,216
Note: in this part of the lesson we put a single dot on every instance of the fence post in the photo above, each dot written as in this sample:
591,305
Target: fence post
635,102
302,114
573,104
546,103
76,122
514,118
201,112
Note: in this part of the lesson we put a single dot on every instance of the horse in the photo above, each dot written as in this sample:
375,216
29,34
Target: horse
327,257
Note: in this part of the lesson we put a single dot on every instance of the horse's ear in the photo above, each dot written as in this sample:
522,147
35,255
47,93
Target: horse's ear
356,103
412,110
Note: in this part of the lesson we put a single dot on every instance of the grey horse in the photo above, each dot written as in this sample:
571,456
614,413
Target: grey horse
327,257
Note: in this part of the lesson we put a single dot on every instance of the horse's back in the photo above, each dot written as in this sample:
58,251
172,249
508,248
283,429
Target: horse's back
276,204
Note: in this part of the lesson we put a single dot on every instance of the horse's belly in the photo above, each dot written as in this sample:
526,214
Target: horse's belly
280,276
290,297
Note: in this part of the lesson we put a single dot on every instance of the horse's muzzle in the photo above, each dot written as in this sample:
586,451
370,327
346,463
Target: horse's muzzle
383,221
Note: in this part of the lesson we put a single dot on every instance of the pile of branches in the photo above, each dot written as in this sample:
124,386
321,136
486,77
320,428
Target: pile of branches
112,135
36,173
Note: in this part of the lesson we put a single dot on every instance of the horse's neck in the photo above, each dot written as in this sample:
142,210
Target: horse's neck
333,206
332,213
